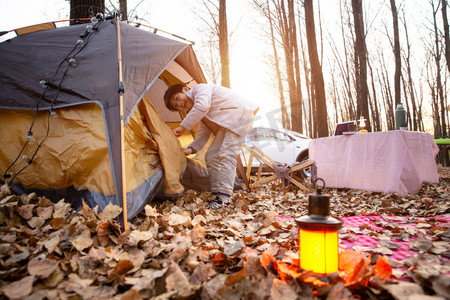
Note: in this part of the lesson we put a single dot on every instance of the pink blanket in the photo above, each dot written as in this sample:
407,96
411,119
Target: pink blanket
359,239
364,240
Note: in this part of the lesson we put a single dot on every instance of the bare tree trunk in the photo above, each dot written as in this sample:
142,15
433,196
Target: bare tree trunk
434,101
217,29
297,106
264,7
85,8
309,120
352,115
360,62
420,123
411,92
284,115
223,44
440,92
213,67
374,103
398,61
316,71
386,90
446,32
408,111
288,52
123,9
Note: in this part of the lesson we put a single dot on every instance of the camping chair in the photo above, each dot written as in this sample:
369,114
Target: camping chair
282,171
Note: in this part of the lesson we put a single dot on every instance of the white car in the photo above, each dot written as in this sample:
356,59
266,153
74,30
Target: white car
280,145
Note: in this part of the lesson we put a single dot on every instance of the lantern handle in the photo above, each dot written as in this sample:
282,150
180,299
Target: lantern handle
318,189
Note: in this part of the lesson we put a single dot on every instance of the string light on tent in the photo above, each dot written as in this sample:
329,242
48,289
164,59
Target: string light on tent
53,114
43,83
30,137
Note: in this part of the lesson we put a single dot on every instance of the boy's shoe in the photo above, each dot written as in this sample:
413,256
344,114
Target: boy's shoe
214,204
219,201
225,199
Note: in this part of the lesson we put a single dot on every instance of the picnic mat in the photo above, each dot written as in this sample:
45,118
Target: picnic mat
389,235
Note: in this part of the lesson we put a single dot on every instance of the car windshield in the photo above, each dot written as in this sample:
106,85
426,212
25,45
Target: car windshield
298,135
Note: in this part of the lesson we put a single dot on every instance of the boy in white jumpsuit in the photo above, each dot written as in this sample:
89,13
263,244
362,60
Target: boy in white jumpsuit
219,111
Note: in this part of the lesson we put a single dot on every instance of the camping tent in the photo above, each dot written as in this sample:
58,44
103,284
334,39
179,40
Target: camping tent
80,74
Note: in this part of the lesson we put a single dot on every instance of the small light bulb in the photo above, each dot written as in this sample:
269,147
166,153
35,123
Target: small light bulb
31,137
43,83
53,114
80,43
89,28
72,62
94,20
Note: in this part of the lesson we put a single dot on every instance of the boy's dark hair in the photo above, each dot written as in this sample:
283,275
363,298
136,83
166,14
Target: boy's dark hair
172,91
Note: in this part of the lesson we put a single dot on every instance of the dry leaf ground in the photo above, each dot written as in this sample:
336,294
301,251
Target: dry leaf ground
179,250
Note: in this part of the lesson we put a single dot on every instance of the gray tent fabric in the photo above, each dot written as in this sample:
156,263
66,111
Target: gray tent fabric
86,69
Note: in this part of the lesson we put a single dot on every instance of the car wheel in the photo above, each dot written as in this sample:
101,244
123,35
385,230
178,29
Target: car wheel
305,173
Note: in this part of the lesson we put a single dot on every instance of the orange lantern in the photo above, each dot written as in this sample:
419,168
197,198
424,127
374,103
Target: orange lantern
318,236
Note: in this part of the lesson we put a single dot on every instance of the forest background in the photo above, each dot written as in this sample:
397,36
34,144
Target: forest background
308,64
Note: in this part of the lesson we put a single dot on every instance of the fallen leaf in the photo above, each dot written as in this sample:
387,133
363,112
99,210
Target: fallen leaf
233,248
137,236
97,253
177,281
58,223
176,219
269,263
220,259
121,268
52,242
25,211
61,209
42,268
110,212
93,292
75,283
403,290
19,289
81,243
36,222
44,212
131,294
382,269
9,238
102,232
422,244
281,290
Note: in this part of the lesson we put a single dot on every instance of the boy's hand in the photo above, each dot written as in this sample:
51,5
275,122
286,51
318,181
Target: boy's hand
179,131
187,151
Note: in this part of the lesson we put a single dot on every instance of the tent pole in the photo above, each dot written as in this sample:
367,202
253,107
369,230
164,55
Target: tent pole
122,118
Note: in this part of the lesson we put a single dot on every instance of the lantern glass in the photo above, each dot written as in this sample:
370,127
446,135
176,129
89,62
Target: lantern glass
319,251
